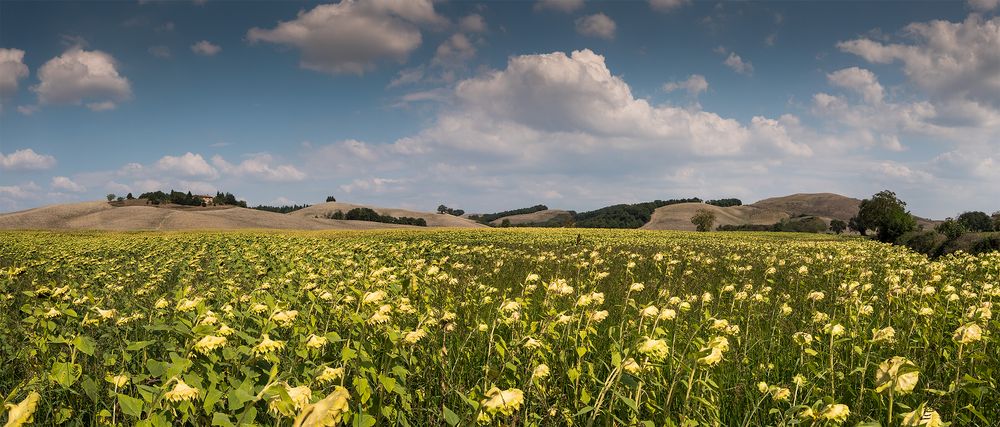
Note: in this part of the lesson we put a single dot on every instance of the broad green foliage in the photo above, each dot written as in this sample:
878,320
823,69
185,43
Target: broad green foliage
495,327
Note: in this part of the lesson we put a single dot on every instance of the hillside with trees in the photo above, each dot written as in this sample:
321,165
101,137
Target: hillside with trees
624,215
368,214
280,209
487,218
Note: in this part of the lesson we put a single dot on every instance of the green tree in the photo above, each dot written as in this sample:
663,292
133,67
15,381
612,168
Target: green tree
886,215
703,220
330,199
838,226
856,225
505,223
951,229
996,221
110,196
976,221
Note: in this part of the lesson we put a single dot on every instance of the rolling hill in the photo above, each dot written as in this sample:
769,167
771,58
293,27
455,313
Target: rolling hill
678,217
433,219
824,205
103,216
535,217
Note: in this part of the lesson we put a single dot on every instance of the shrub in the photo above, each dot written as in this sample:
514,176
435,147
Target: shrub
951,229
926,242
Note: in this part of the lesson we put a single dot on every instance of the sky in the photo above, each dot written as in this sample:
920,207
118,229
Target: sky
489,106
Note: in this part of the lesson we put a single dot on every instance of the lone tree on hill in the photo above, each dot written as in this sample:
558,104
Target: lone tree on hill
330,199
838,226
885,214
442,209
703,220
110,196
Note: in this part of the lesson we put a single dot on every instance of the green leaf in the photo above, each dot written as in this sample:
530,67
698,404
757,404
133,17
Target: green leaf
387,382
363,389
85,345
211,397
585,410
249,416
347,353
90,387
63,415
139,345
363,420
573,374
221,420
976,413
450,417
628,401
130,405
65,373
241,395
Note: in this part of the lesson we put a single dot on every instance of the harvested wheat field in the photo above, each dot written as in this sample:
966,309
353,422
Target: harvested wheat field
102,216
678,217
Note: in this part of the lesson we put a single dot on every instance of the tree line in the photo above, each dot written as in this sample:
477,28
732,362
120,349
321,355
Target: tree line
368,214
280,209
487,218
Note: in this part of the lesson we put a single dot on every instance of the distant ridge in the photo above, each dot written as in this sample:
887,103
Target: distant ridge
824,205
433,219
102,216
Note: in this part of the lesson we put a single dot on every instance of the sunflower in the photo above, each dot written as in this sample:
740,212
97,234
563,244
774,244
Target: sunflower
181,392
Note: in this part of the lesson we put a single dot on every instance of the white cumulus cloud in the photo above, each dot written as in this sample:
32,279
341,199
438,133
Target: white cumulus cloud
206,48
62,183
26,159
984,5
12,70
859,80
454,51
473,23
353,35
260,167
566,6
946,59
186,165
540,102
597,25
668,5
693,85
737,64
80,75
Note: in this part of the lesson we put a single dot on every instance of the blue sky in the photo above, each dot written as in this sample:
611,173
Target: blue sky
496,105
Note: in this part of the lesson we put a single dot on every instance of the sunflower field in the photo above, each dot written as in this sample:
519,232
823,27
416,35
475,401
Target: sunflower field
499,327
